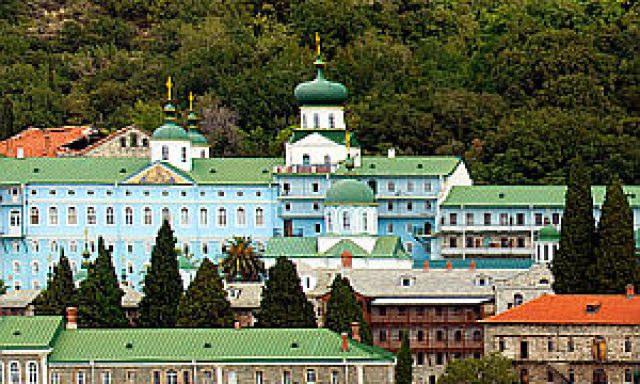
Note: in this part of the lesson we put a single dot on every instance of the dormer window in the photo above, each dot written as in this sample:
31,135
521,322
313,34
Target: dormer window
592,308
407,282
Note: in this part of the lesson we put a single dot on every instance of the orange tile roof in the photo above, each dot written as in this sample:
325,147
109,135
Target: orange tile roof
45,142
572,309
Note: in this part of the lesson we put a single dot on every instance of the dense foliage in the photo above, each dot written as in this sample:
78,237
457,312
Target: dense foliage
343,309
60,292
283,303
162,283
575,258
516,87
404,361
100,295
205,303
490,369
242,262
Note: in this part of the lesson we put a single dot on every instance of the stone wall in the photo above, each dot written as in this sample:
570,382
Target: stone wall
526,286
112,146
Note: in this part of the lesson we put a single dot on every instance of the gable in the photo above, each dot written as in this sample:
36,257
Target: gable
317,139
159,173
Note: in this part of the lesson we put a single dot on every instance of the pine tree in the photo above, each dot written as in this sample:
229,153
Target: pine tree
284,304
404,362
100,296
343,309
162,283
575,256
205,303
616,264
242,261
60,293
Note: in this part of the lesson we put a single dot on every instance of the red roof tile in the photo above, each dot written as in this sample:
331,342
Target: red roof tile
46,142
572,309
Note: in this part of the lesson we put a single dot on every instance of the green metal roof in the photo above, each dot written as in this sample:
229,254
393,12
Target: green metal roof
385,247
114,170
524,195
349,192
320,91
27,332
170,131
196,137
403,166
186,345
338,136
549,233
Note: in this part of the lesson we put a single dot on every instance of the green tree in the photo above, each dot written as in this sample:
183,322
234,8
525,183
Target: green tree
242,261
6,117
404,362
100,295
60,292
575,256
205,303
616,264
343,309
3,287
283,303
490,369
162,283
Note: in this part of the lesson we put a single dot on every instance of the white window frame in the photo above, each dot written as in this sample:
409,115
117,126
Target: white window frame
391,186
72,213
221,217
241,217
184,216
13,379
173,379
203,217
14,219
147,214
73,246
92,216
259,217
106,377
128,216
32,376
80,377
16,266
306,376
165,214
34,213
110,217
55,378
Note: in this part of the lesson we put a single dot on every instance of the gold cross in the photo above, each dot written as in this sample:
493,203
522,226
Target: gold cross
317,43
191,101
169,86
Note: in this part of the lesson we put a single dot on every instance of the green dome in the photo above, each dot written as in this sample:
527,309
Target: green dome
320,91
170,131
197,138
549,233
349,192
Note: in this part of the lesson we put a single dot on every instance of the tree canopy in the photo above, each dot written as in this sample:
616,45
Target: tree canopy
343,309
60,292
490,369
516,88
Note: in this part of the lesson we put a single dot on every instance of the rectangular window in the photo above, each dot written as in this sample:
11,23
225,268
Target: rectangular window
427,187
420,358
156,377
487,219
334,377
390,206
80,378
538,218
186,378
391,186
311,376
453,219
520,219
55,378
469,218
555,218
453,242
106,377
259,377
504,219
315,187
382,335
286,377
410,186
524,350
409,206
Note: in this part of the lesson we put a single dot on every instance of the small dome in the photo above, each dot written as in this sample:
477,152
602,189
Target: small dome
349,192
549,233
197,138
320,91
170,131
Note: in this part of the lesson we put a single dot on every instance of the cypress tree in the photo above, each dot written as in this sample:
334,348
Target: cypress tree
404,362
162,283
343,309
284,304
60,293
616,264
575,256
100,296
205,303
6,117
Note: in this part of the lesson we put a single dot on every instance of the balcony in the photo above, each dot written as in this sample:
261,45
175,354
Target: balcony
278,232
487,228
10,232
421,232
11,200
431,344
496,251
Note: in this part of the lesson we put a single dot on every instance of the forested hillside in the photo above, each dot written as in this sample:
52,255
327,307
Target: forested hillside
517,87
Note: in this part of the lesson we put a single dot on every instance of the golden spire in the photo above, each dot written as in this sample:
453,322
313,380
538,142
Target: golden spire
317,44
348,141
169,87
191,101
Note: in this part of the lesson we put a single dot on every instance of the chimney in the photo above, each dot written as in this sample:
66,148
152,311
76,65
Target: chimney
391,153
472,265
631,291
72,318
425,265
449,265
355,331
346,259
345,342
236,325
20,153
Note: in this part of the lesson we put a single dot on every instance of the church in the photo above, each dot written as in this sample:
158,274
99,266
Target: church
324,204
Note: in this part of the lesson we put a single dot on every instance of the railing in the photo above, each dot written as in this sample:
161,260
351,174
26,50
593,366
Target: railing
11,232
299,232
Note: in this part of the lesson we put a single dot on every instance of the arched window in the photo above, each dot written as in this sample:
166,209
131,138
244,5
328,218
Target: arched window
35,216
184,216
172,377
365,221
14,373
259,217
53,246
165,153
166,215
327,160
53,216
91,216
222,217
316,120
72,216
110,216
346,221
332,120
306,159
204,217
184,154
33,372
128,216
304,121
133,139
241,217
148,217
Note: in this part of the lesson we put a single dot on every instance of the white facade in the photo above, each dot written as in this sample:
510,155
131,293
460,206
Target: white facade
316,149
175,152
199,152
351,220
330,117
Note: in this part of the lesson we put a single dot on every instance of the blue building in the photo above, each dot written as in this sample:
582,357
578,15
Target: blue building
425,205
